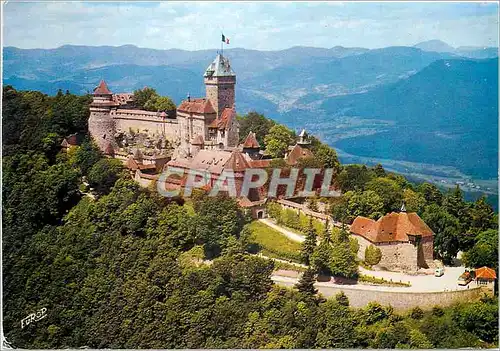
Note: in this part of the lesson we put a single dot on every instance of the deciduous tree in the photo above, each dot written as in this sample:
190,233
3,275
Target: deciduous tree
343,261
277,141
373,255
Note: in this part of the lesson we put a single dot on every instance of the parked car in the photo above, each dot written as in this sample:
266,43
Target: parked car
464,279
438,272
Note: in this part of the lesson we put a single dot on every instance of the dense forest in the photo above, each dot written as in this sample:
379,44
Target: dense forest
125,268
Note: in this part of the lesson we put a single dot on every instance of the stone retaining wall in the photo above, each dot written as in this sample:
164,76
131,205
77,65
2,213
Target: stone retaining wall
405,300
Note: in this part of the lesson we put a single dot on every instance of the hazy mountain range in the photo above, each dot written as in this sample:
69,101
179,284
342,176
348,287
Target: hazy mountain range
428,103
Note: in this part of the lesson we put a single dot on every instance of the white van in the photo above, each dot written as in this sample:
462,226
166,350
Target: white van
438,272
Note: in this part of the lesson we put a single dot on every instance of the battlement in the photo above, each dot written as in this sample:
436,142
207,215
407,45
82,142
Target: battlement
142,115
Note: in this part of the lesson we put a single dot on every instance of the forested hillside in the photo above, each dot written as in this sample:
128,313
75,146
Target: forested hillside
446,114
128,269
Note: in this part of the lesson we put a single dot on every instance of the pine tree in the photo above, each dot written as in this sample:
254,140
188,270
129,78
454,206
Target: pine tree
309,243
454,202
342,299
306,282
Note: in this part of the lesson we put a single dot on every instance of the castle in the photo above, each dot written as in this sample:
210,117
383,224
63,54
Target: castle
209,123
203,135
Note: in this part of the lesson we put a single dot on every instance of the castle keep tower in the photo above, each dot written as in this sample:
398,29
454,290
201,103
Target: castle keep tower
220,81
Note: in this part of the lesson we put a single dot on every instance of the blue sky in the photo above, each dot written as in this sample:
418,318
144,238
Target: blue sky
252,25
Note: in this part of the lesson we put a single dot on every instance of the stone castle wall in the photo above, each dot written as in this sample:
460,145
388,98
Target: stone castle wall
395,255
398,256
232,137
428,248
145,122
188,127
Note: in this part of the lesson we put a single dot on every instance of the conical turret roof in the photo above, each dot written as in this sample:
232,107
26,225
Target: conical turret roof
251,142
102,89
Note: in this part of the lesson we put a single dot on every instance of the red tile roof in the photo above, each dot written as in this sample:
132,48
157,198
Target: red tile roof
245,202
296,153
236,162
391,227
486,273
131,164
102,89
201,106
260,163
134,165
213,161
251,142
72,140
224,122
198,140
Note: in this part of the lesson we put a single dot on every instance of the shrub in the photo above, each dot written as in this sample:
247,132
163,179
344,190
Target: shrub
373,255
354,245
417,313
104,174
380,281
274,211
437,311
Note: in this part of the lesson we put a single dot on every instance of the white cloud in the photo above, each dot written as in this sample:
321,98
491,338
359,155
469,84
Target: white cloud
253,25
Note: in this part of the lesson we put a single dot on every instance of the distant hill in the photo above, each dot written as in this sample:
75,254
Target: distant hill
52,63
476,52
445,114
272,81
435,45
433,105
298,85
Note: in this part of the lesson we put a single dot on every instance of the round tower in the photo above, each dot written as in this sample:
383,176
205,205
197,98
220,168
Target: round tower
101,123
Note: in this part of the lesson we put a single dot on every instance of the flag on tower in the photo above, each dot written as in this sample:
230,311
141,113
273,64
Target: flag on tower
224,39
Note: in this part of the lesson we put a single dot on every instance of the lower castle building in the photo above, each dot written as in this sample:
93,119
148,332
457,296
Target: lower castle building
405,241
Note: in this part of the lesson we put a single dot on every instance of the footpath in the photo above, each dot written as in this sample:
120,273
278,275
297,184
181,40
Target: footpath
289,234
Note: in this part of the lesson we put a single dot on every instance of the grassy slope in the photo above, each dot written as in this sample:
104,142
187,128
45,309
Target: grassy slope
272,243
